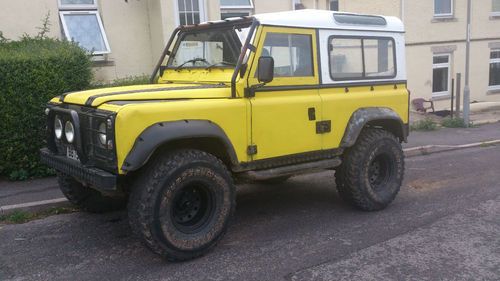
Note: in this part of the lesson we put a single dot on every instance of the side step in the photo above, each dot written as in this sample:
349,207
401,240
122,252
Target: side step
291,170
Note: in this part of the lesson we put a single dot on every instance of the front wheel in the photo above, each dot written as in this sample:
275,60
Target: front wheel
182,204
372,170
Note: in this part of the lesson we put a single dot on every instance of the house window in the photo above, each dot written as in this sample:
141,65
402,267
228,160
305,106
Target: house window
190,11
443,8
441,75
495,68
357,58
292,54
334,5
495,7
78,4
233,14
236,4
235,8
82,23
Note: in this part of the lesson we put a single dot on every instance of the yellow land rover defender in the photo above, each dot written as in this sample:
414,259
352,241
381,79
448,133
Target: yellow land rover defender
252,99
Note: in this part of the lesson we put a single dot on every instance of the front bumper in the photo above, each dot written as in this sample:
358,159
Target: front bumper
95,178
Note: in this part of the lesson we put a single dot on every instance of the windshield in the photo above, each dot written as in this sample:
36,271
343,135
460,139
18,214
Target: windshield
208,48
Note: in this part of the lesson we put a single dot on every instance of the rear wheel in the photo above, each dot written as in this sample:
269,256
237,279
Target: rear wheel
182,204
372,170
87,198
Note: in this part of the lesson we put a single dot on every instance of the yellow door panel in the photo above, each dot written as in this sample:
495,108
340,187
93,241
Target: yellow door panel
280,117
281,125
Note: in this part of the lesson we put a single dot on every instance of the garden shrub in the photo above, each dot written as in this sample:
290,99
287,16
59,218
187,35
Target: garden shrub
32,71
127,81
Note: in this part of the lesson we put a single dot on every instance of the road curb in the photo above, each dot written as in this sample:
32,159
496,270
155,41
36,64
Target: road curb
430,149
485,121
36,206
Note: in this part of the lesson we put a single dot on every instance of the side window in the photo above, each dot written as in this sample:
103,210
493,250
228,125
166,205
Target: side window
379,57
361,58
346,58
292,54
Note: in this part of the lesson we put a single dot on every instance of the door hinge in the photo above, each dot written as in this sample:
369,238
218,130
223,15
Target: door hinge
252,149
323,127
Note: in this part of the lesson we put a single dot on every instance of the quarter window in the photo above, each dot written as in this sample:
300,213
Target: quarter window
361,58
82,23
292,54
440,75
495,68
443,8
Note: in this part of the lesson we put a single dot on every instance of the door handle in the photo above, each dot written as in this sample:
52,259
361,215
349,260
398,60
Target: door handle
311,113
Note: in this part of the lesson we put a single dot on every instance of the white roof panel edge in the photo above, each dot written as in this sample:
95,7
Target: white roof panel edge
324,19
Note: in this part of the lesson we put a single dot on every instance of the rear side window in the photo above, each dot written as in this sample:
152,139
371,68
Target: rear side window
357,58
292,54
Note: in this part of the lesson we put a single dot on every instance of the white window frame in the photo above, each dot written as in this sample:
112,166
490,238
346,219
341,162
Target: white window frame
445,15
101,26
201,4
77,6
438,66
494,13
497,60
238,7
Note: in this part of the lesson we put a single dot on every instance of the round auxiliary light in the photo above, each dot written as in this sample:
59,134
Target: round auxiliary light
58,127
69,131
102,133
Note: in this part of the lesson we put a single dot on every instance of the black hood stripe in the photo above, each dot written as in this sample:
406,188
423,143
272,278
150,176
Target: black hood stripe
91,99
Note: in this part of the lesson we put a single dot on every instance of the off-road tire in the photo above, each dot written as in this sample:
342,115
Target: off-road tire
162,220
88,199
356,178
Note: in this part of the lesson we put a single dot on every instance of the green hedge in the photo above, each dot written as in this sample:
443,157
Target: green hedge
32,71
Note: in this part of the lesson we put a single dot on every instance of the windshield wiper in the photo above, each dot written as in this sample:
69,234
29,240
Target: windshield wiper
191,61
218,63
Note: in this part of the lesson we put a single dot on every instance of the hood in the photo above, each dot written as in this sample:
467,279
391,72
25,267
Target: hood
152,92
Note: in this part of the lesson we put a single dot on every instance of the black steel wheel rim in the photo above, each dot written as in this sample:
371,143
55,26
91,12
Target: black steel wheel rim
192,207
380,171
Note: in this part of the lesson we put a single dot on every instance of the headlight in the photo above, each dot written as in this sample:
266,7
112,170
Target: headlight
102,133
69,131
58,127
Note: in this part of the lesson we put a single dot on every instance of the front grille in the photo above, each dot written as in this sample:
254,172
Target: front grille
90,151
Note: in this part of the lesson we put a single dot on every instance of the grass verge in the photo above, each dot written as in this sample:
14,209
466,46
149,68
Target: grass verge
426,124
18,217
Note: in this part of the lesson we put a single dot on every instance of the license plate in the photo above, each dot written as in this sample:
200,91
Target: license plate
71,154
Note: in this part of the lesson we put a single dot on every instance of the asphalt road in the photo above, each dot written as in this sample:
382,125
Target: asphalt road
444,225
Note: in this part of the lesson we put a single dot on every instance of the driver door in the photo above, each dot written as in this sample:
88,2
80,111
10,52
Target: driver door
284,111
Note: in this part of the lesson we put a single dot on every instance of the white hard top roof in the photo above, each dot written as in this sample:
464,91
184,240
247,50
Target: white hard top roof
331,20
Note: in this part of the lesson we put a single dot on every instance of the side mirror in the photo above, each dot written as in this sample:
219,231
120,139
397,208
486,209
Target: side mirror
265,71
